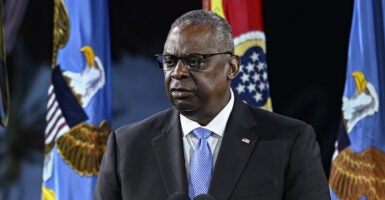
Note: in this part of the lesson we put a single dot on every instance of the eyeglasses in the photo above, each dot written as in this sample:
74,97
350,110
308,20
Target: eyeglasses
193,62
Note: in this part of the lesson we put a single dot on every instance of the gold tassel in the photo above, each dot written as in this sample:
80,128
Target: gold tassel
82,148
356,174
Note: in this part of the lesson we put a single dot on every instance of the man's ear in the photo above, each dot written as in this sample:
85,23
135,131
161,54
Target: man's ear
233,67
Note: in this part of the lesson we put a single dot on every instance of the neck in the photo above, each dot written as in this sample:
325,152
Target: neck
204,118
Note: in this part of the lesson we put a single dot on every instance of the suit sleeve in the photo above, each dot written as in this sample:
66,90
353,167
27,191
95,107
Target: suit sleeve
108,184
305,177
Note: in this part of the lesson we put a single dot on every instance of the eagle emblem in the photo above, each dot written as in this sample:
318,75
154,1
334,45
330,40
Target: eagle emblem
354,174
363,103
81,145
84,85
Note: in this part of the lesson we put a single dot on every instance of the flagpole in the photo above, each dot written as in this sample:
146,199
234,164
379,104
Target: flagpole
4,87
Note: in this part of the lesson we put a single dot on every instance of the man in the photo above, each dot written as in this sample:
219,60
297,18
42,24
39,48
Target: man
249,153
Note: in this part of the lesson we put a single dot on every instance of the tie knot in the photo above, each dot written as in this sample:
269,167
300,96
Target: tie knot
201,133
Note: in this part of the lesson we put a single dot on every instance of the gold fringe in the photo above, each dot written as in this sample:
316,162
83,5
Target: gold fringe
356,174
61,28
48,147
82,148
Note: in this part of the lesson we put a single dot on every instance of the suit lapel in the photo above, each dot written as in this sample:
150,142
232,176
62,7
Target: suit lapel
237,145
169,152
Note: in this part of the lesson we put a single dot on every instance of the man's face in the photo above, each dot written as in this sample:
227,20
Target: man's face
199,95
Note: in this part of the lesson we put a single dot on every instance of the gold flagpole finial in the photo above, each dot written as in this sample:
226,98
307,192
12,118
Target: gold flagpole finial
61,28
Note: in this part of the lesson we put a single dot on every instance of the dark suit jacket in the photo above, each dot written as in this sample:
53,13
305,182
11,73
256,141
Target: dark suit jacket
145,160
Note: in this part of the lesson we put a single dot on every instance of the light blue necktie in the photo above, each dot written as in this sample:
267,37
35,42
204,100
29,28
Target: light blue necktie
201,164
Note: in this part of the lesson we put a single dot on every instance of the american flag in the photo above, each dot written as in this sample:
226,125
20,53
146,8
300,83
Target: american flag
245,140
56,123
63,110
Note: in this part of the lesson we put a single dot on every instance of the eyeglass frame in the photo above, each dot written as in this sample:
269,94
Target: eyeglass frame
205,56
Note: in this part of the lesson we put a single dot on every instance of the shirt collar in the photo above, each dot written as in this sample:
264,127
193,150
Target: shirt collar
217,125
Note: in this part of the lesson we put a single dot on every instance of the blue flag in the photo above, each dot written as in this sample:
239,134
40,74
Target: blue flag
358,167
79,100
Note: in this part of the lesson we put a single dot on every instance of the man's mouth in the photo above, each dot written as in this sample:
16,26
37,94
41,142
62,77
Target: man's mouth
180,93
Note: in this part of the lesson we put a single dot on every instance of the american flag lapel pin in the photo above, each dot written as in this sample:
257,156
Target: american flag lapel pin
245,140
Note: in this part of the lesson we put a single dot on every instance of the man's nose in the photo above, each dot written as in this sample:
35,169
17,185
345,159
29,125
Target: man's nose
180,70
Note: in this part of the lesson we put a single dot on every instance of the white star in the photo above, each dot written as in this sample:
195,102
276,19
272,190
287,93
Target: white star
258,97
250,67
264,75
262,86
251,87
254,56
256,77
241,68
240,88
245,77
260,66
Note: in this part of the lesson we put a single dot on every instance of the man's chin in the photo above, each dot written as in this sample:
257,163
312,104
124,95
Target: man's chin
184,109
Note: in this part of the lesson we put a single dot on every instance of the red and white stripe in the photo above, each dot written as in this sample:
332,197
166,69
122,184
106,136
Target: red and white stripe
336,152
56,123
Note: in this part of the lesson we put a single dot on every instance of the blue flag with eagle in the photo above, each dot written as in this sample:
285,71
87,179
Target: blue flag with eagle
358,162
79,100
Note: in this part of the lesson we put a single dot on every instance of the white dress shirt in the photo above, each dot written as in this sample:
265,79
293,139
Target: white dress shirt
216,126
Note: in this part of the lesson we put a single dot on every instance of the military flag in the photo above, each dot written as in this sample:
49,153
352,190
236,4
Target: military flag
245,17
79,100
357,170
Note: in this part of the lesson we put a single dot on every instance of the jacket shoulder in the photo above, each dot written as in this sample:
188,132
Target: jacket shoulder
274,125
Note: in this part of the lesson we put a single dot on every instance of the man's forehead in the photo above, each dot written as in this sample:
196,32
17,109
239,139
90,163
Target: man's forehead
188,39
191,27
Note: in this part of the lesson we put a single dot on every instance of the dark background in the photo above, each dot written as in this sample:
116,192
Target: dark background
307,45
